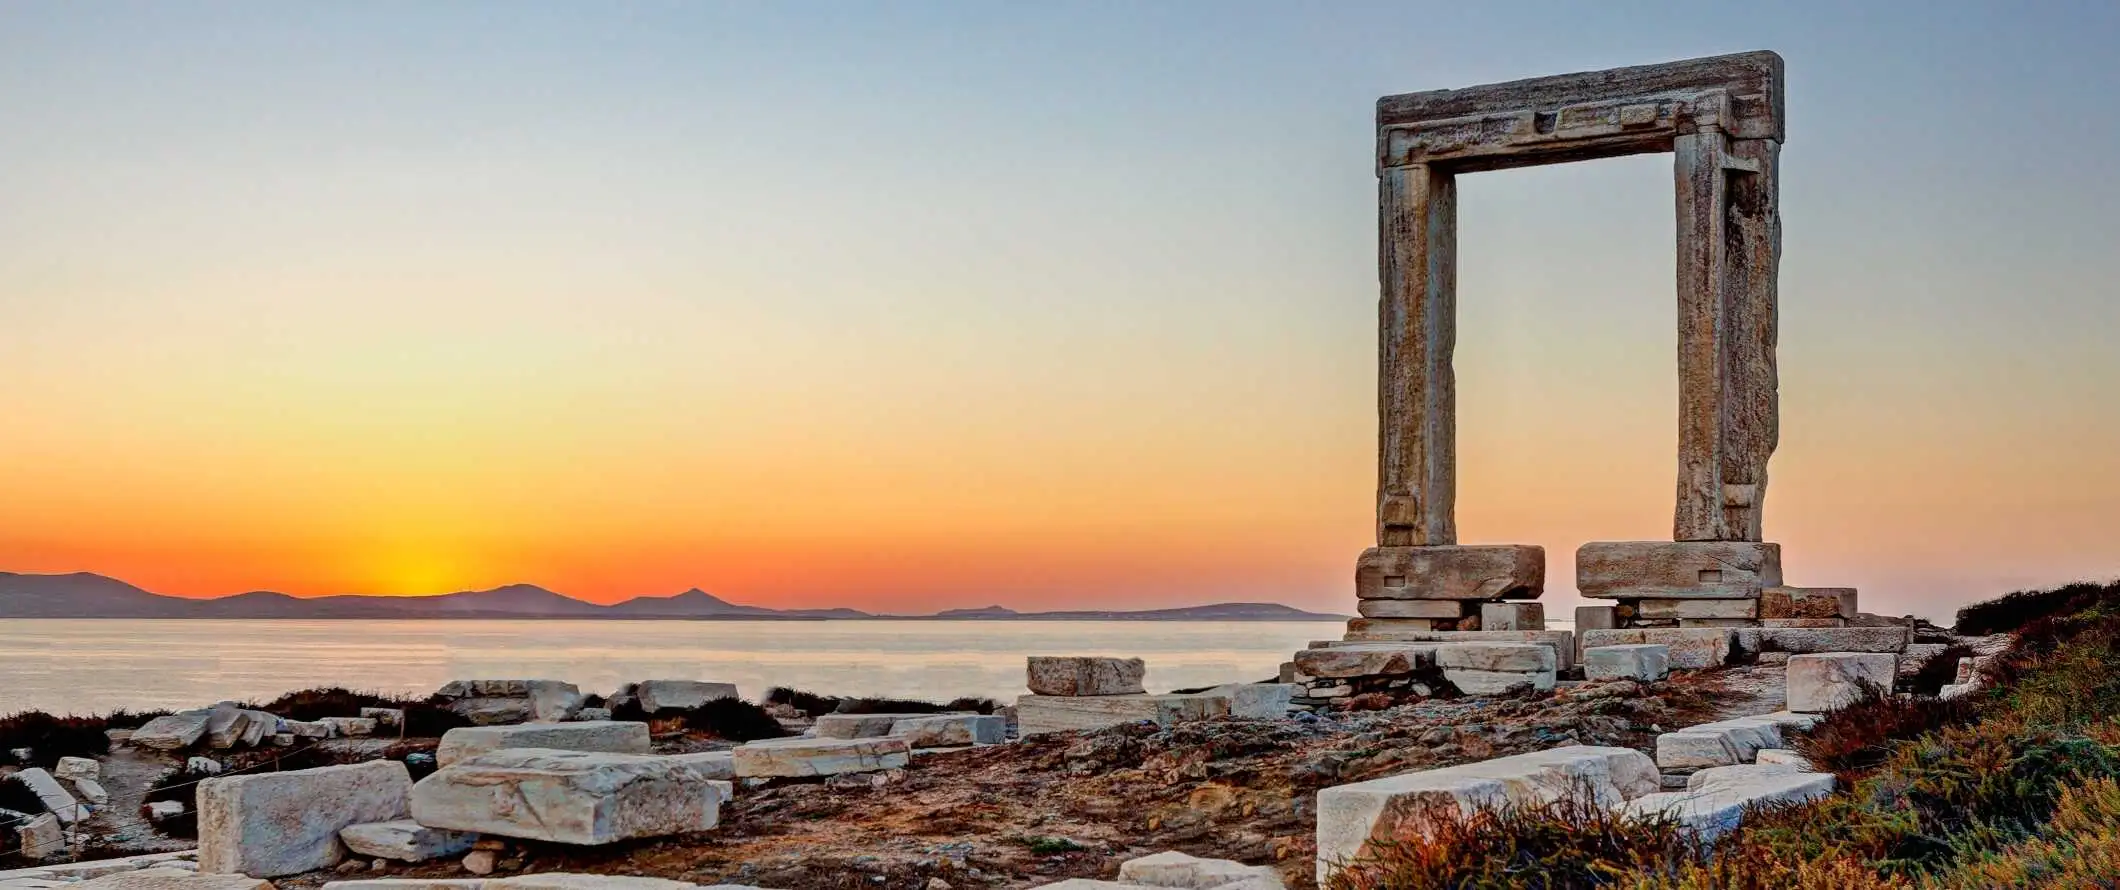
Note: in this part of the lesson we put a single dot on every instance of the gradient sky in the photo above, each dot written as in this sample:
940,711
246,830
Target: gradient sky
911,306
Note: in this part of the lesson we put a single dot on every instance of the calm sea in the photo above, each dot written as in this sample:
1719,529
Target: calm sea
91,666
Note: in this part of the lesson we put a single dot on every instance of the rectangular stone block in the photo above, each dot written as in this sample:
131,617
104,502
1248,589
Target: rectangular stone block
1692,649
1472,681
404,840
1394,625
1521,657
613,737
571,797
1803,622
1451,572
1730,623
1818,683
1059,713
54,795
271,824
1350,818
858,726
1084,675
1676,570
1807,602
1563,642
1595,618
1808,640
1422,609
1512,616
789,758
950,730
679,695
1691,749
1691,608
1369,660
1645,662
1721,805
712,764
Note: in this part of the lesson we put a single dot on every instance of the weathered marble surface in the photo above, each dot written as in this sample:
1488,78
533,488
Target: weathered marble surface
574,797
1437,572
788,758
614,737
404,840
1639,661
283,823
1084,675
1829,681
950,730
1676,570
1060,713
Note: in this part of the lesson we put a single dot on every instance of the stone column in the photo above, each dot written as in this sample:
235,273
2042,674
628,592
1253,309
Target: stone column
1416,334
1729,244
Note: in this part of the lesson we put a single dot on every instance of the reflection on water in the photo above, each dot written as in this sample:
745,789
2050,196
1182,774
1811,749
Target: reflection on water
91,666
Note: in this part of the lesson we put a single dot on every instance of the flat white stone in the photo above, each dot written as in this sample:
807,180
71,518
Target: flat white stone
1691,648
679,695
950,730
1690,749
1369,660
1815,640
404,840
712,764
1350,817
1830,681
857,726
171,732
1477,682
92,791
71,768
489,702
56,798
165,809
1258,701
1783,757
1084,675
311,729
283,823
205,765
1174,869
787,758
1062,713
1721,805
573,797
1738,775
1635,661
41,836
350,726
1514,657
164,878
614,737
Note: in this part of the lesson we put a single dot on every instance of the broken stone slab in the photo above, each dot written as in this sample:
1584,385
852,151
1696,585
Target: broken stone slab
1063,713
1676,569
74,768
571,797
950,730
56,798
792,758
1646,662
1174,869
712,764
1563,642
1084,675
1691,648
858,726
1723,776
1257,701
349,727
1811,640
1692,749
1365,660
41,836
1696,609
1422,609
1497,657
1917,656
404,840
1721,805
171,732
1451,572
1352,817
679,695
612,737
1955,690
164,809
1807,602
1783,757
311,729
1803,622
1823,682
283,823
166,878
388,718
92,791
1512,616
1478,682
1968,669
491,702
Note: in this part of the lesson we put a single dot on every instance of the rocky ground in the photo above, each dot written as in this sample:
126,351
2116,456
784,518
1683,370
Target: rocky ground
1075,805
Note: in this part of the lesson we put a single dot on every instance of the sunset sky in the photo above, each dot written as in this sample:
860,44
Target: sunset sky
914,306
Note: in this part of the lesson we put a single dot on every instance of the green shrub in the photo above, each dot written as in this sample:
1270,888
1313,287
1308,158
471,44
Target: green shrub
1859,737
50,737
1936,672
733,719
1569,843
2012,611
331,701
819,705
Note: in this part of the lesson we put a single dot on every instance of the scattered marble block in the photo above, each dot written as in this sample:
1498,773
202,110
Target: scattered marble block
56,798
72,768
1424,609
1562,641
1818,683
712,764
167,878
1352,817
1955,690
950,730
1784,757
404,840
1595,618
92,791
164,809
1726,742
1646,662
1174,869
1084,675
311,729
386,718
858,726
679,695
614,737
1517,657
1676,569
1722,776
1968,669
1720,805
272,824
1368,660
1257,701
572,797
1807,602
350,727
1817,640
172,732
1061,713
1451,572
202,765
1803,622
41,836
790,758
1740,610
1512,616
492,702
1691,648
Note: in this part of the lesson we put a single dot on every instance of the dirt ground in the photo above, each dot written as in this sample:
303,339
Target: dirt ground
1076,805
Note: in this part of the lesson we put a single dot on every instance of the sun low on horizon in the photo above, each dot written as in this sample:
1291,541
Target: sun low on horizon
946,305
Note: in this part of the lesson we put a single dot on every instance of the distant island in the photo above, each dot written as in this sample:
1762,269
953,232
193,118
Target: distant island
86,595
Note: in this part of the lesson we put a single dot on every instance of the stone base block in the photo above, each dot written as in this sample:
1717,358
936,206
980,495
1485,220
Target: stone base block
1084,675
1807,602
1472,681
1717,622
1803,622
1350,818
1811,640
1682,609
1365,660
619,737
1646,662
1829,681
857,726
1677,570
1563,642
794,758
1595,618
1517,657
1691,649
1720,806
1058,713
404,840
1258,701
1178,870
1512,616
572,797
1430,610
679,695
1451,572
950,730
271,824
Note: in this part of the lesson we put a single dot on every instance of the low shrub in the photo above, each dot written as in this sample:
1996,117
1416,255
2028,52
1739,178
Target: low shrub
1860,736
331,701
807,702
49,737
819,705
733,719
1573,842
1936,672
2007,613
428,720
